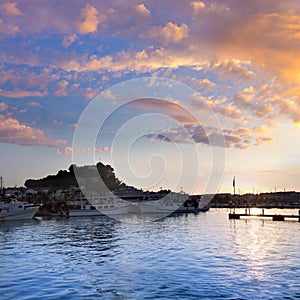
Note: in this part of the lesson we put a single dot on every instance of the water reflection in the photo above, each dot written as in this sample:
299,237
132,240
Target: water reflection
262,245
185,257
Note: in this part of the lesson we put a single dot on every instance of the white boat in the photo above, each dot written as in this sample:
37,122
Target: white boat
109,204
167,204
86,211
174,202
12,209
100,205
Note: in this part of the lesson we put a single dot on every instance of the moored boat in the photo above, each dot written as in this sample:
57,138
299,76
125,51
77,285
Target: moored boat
100,205
175,203
12,209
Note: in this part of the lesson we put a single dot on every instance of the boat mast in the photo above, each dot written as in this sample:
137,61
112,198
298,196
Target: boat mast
233,183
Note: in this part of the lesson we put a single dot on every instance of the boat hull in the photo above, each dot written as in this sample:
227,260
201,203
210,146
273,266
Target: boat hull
97,212
85,213
27,214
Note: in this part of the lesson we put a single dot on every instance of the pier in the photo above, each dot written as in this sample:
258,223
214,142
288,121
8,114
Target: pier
274,217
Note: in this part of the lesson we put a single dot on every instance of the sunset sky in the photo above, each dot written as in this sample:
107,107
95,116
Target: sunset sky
172,77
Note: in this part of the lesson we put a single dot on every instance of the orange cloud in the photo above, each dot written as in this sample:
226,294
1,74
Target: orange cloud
205,83
92,18
171,33
142,10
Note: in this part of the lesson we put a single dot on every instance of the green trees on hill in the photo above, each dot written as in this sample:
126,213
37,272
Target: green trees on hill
70,177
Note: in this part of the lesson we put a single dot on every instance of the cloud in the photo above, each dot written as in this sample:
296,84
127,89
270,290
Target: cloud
66,150
34,104
170,33
168,108
201,10
56,123
13,132
69,40
232,45
291,109
205,83
3,106
108,95
231,69
136,61
10,8
8,29
240,138
21,93
91,19
70,150
264,140
142,10
89,93
61,88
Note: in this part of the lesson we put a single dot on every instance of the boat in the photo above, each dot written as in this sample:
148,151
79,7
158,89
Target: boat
167,204
174,203
85,211
12,209
110,204
98,205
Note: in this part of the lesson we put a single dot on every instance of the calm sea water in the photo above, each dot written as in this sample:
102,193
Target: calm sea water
204,256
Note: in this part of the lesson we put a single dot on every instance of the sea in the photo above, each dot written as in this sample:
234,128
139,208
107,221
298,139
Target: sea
194,256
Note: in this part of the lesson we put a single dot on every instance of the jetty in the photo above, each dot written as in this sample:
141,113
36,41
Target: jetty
275,217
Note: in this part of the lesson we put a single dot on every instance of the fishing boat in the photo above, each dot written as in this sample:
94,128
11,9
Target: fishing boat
12,209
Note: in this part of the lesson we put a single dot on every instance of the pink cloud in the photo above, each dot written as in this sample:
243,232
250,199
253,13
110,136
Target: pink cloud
21,93
10,8
3,106
70,150
171,109
61,88
56,123
13,132
34,104
89,93
68,40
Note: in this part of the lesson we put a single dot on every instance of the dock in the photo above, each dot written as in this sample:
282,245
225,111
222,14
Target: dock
274,217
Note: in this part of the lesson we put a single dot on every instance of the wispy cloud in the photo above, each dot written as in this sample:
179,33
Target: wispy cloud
21,93
70,150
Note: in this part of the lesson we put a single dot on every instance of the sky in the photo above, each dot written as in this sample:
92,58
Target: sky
173,94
